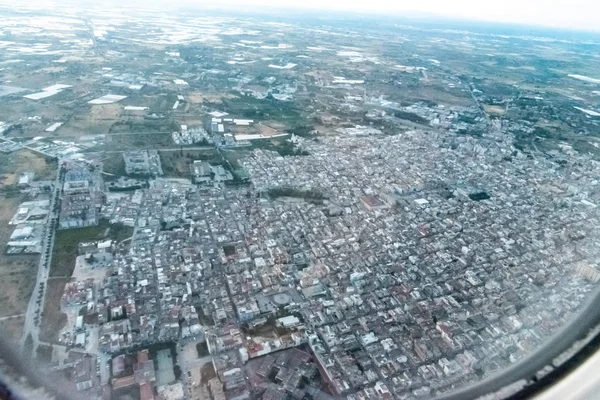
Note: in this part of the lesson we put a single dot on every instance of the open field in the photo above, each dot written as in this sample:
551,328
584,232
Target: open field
494,110
141,125
44,353
53,320
14,164
17,272
11,329
17,280
199,97
113,164
139,141
65,245
177,164
97,120
207,372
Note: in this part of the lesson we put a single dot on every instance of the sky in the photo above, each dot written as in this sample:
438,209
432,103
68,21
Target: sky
570,14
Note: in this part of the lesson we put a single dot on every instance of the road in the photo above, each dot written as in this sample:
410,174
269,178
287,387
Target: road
170,149
34,308
11,317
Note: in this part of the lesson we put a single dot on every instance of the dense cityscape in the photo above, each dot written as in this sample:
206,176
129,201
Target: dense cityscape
259,207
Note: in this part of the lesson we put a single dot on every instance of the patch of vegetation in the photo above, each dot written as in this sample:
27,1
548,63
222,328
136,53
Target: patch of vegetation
177,164
64,252
28,347
145,126
202,349
114,164
206,320
268,108
10,191
479,196
585,147
229,249
139,141
302,130
128,392
542,139
44,353
411,117
283,147
297,193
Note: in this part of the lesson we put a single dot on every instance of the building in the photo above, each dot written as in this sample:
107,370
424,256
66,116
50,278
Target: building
202,172
288,322
142,162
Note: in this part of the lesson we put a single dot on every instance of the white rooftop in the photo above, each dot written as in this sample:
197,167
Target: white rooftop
107,99
41,95
47,92
57,87
53,127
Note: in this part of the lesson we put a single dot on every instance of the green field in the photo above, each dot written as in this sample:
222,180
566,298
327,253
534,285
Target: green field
66,242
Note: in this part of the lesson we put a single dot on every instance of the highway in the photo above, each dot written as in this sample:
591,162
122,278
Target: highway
169,149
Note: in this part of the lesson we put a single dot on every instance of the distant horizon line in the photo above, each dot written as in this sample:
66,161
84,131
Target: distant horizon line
290,10
416,15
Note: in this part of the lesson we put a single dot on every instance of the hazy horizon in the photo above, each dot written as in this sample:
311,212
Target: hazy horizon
578,15
574,15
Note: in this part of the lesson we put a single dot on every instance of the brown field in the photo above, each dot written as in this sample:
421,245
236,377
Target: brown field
105,111
11,329
97,120
198,97
49,112
191,120
17,280
207,372
495,110
8,179
14,164
441,95
266,130
138,141
195,97
53,320
17,272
